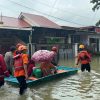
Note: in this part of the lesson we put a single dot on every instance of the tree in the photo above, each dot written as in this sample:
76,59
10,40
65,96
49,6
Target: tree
96,7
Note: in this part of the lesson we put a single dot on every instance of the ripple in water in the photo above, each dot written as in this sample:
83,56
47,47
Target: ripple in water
83,86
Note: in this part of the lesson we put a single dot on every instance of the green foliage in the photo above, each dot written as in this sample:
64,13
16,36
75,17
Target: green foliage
96,4
96,7
98,23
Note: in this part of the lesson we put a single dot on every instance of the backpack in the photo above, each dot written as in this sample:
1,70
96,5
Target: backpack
83,55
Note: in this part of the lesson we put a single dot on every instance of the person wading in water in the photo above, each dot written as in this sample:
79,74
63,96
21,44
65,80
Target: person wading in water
83,58
20,68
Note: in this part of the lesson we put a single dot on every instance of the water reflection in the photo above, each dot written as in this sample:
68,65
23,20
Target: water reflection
85,86
85,83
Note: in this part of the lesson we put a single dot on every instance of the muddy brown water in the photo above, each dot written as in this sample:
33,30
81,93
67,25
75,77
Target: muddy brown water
82,86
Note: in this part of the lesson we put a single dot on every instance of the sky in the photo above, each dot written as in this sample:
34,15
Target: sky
75,13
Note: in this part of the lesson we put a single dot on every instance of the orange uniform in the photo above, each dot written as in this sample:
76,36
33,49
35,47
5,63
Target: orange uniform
21,72
84,57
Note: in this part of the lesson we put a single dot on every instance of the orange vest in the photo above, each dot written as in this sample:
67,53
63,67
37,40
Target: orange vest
84,57
18,62
18,66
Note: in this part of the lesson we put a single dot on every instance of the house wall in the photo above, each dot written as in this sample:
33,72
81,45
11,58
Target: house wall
9,37
94,40
50,36
45,38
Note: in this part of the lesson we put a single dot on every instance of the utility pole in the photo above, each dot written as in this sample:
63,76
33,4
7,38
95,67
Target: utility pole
1,22
30,42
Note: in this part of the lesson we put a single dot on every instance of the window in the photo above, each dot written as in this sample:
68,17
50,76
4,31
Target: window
75,39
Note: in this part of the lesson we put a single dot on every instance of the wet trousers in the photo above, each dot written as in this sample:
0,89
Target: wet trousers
22,84
1,83
85,66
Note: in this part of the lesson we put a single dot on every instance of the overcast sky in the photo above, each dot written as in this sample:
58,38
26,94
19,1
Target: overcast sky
63,12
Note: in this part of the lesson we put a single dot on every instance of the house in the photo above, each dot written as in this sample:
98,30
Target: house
11,30
86,35
46,33
36,31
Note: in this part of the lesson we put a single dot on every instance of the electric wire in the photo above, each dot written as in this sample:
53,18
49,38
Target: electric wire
44,13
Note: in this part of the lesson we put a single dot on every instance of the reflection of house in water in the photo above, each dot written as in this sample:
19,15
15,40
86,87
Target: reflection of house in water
45,34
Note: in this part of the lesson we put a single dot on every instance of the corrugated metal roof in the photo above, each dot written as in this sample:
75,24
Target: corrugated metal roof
13,22
40,21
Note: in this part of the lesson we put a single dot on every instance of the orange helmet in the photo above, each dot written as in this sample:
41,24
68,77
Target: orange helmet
22,47
19,44
54,49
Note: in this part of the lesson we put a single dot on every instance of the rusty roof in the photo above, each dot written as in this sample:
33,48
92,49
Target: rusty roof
13,22
39,21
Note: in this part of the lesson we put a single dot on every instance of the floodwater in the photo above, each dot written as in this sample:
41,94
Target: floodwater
82,86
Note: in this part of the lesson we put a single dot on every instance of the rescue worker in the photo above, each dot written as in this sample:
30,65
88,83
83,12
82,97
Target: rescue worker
48,68
3,70
20,68
84,58
17,46
31,66
9,59
55,59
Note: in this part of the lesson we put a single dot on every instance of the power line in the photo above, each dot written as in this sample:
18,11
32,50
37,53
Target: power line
61,10
5,7
44,13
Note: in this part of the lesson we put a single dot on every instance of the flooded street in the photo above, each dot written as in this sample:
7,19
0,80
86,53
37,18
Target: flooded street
82,86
